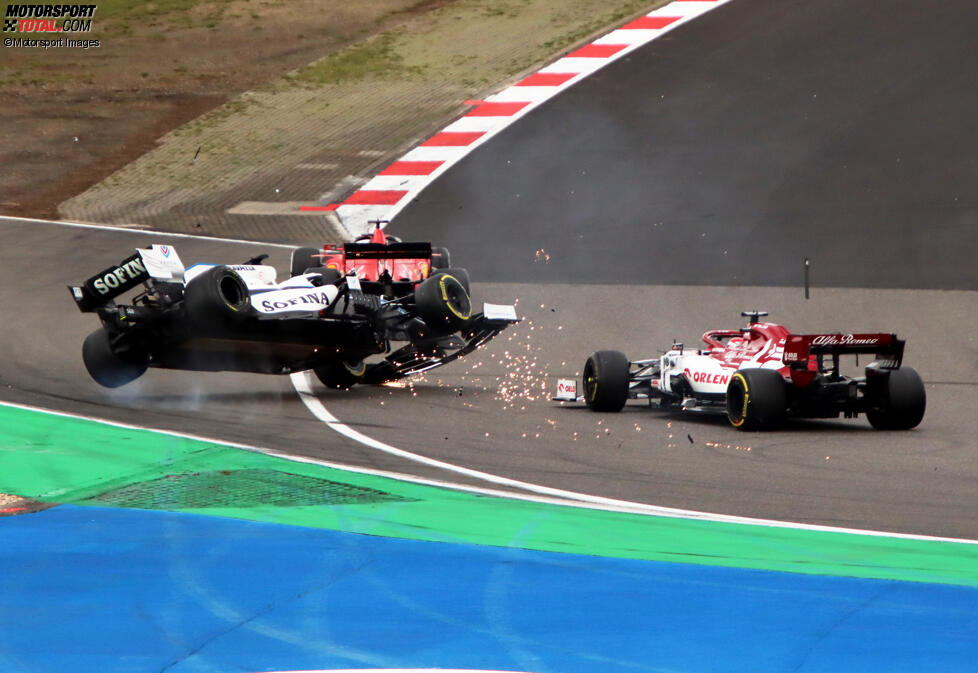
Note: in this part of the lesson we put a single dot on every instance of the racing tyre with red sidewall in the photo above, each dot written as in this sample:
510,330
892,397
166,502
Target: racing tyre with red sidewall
217,298
108,368
757,399
897,399
606,381
443,302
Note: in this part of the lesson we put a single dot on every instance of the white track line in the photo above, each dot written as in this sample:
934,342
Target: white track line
354,217
301,382
570,499
543,493
146,232
399,476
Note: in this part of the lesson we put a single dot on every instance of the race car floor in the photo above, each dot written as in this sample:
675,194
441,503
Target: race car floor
344,570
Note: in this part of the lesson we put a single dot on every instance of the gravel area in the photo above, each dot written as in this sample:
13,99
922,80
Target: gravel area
318,133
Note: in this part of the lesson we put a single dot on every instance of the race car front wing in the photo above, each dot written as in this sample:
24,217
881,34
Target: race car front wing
423,356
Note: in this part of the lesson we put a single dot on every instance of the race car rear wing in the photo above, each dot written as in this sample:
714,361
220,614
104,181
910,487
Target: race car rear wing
157,261
109,283
887,349
389,251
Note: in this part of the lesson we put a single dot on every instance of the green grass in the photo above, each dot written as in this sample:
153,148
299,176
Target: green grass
599,23
156,10
377,57
123,15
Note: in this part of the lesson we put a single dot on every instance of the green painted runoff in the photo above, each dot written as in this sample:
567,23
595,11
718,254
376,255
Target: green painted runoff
59,459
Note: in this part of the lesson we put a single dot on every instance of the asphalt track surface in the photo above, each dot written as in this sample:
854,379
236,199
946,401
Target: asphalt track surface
728,151
774,135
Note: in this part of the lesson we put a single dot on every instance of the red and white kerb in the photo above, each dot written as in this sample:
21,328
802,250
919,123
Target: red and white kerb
394,187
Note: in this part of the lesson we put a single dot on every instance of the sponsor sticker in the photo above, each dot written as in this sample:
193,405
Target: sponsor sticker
117,279
499,312
710,378
566,390
296,300
843,340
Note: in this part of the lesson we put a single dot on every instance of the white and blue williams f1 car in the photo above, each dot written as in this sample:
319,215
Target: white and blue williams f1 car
213,317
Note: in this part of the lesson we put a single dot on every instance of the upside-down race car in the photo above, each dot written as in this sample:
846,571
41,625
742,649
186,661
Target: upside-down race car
761,374
238,318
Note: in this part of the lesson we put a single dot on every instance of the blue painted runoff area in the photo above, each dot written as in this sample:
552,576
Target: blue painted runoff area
117,590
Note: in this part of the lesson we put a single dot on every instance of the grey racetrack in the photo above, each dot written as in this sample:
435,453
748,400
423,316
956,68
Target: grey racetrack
670,191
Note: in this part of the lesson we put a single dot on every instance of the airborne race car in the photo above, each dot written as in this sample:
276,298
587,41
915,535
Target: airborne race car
238,318
760,375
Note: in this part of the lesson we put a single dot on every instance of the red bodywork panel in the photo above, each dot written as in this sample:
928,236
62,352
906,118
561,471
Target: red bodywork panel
405,262
799,354
762,342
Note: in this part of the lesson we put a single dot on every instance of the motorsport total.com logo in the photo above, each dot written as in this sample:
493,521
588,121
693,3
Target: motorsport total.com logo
48,18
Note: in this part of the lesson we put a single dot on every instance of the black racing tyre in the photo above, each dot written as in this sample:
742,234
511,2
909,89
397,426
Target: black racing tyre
462,276
341,374
107,368
305,258
443,302
897,400
606,376
440,258
216,298
757,399
328,275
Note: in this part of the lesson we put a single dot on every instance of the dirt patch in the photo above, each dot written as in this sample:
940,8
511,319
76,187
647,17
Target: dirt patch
11,505
352,100
58,148
73,116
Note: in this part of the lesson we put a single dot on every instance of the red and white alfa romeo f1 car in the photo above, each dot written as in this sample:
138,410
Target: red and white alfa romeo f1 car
760,375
